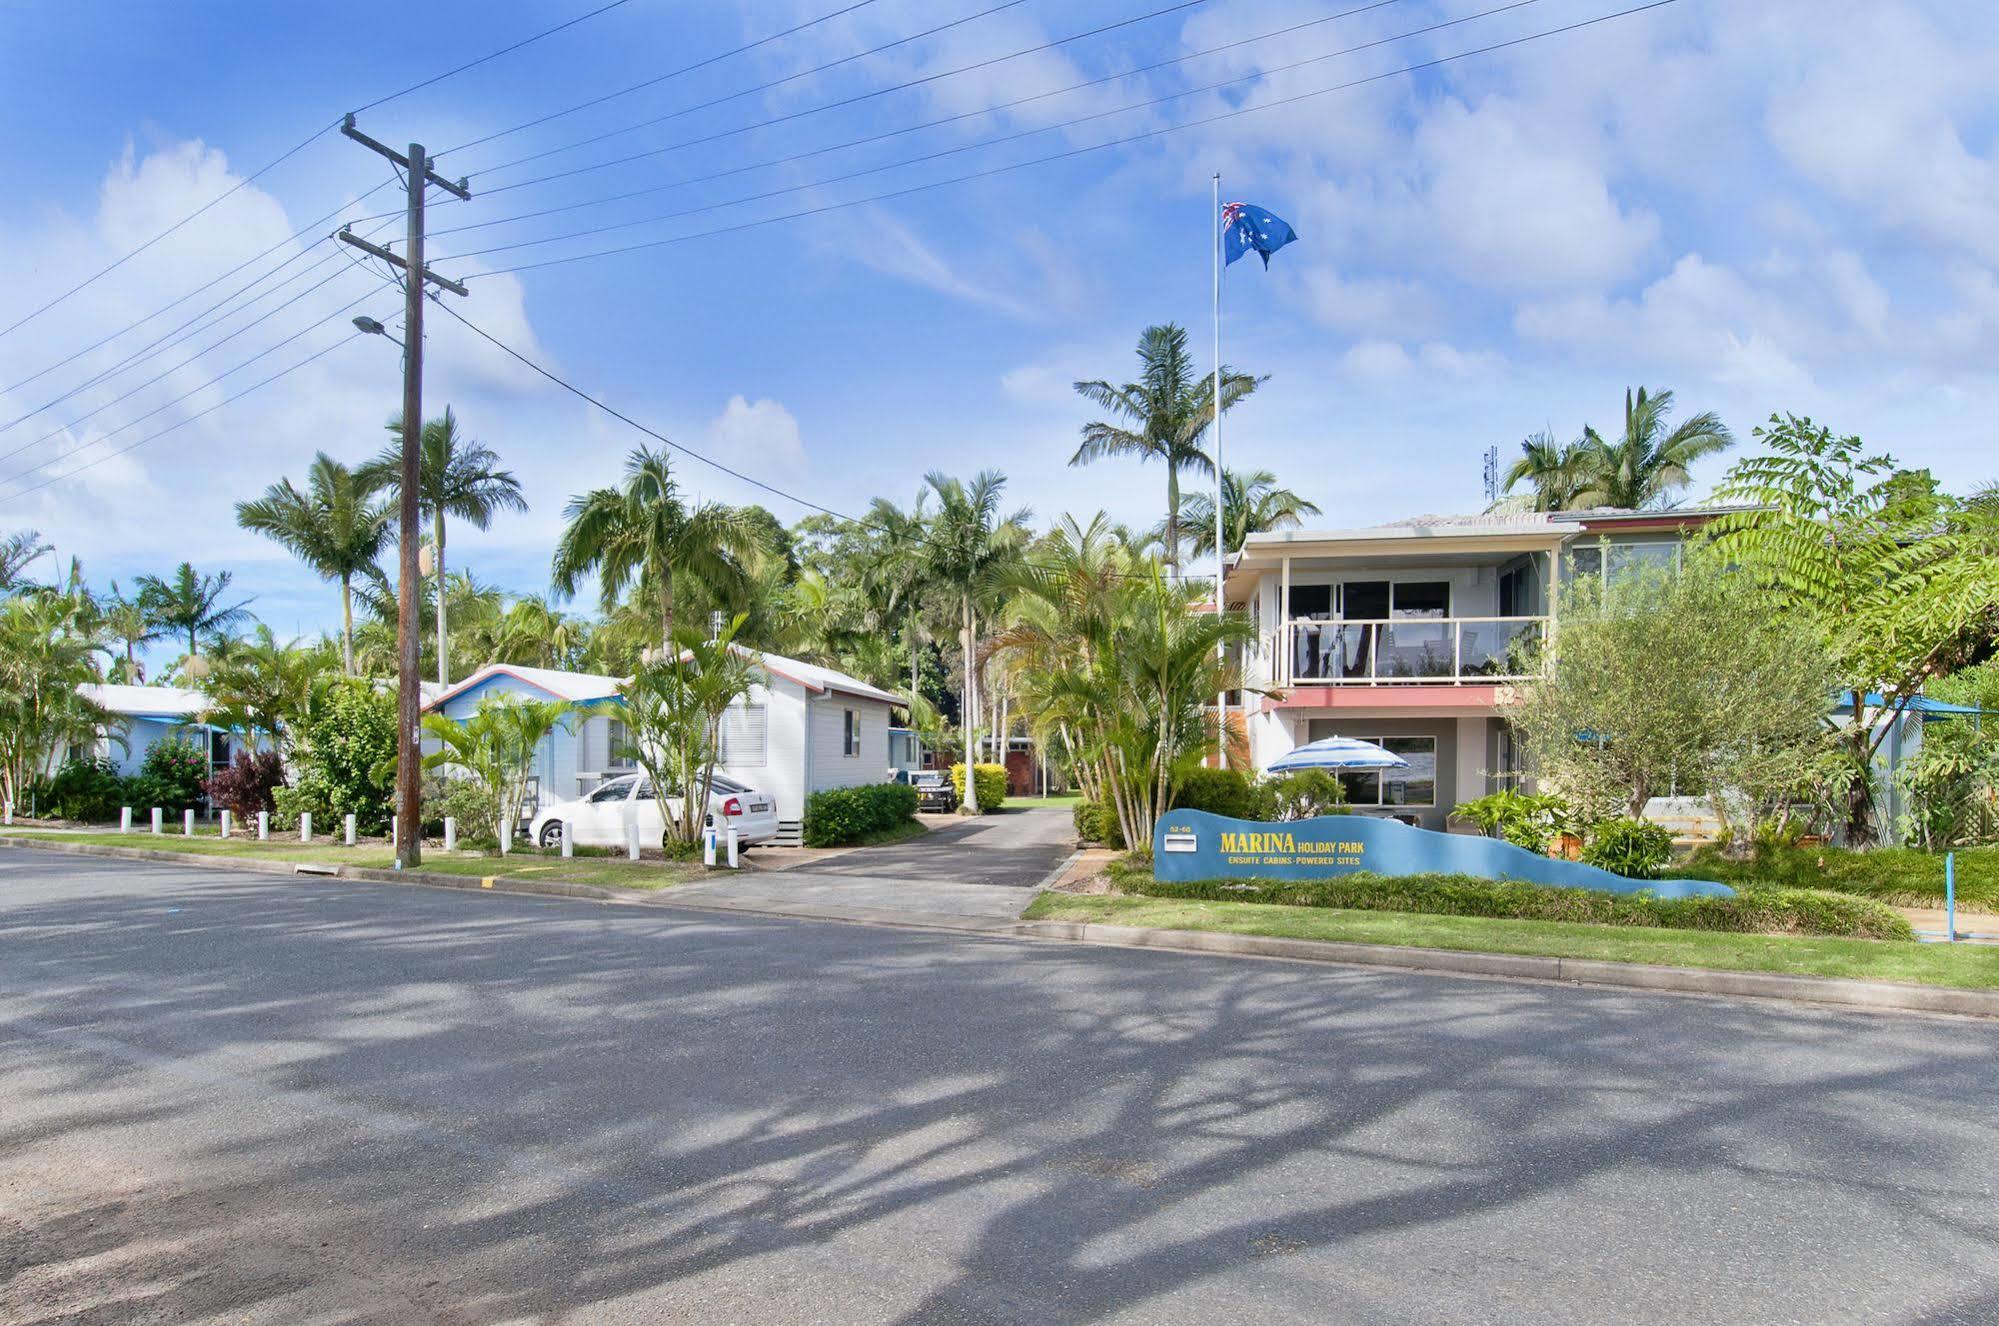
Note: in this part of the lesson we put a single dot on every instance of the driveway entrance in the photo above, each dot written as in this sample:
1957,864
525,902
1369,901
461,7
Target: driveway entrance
988,868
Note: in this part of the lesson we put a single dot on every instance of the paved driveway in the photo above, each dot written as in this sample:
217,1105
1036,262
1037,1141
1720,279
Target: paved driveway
986,868
242,1099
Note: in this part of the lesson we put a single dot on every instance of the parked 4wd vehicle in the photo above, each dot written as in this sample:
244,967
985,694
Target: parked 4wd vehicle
934,792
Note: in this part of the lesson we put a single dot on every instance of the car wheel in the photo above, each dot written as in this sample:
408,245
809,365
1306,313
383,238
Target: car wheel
551,834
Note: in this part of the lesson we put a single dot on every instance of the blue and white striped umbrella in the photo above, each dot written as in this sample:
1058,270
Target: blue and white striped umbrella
1339,753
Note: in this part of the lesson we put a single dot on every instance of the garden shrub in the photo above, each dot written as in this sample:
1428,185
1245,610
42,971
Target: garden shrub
1219,792
1525,819
840,816
1631,848
170,777
247,785
1097,822
84,788
992,786
1754,910
466,802
346,758
1303,795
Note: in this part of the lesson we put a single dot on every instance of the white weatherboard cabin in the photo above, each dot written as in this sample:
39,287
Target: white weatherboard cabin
143,716
1405,635
803,729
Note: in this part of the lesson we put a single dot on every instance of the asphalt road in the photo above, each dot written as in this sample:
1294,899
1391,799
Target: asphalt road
1014,848
246,1099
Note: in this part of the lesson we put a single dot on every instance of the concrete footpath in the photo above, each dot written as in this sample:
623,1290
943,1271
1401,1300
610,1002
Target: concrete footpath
907,908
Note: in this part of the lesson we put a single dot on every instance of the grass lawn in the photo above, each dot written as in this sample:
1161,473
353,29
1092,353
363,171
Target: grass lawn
1968,965
1066,801
607,871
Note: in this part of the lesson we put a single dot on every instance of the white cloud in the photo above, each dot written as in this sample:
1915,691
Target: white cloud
760,438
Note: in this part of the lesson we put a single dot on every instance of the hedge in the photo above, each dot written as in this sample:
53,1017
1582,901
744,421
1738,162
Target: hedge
1754,910
840,816
992,786
1899,876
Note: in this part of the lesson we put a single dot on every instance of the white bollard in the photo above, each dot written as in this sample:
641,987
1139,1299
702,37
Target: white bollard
395,831
568,840
263,826
225,824
305,826
506,838
157,817
347,830
632,841
450,834
708,847
10,812
187,823
734,862
124,819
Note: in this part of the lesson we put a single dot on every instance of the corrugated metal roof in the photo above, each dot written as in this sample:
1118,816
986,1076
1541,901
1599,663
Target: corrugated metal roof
145,701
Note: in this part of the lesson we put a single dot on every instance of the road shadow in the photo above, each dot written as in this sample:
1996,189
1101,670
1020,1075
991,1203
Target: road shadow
253,1099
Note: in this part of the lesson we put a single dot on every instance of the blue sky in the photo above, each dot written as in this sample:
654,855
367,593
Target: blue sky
1780,206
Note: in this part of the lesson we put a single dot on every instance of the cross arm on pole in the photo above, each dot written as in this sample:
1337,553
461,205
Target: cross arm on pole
347,236
458,186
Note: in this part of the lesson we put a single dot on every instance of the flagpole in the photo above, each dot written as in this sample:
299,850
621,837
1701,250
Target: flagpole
1221,650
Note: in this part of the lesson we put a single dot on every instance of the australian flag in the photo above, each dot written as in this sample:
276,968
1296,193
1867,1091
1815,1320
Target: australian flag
1246,226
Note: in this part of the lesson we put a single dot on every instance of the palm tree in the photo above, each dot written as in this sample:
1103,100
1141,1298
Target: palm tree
641,534
1644,467
49,643
126,622
191,603
456,476
1164,416
265,687
971,553
1558,473
895,569
334,526
17,552
1251,504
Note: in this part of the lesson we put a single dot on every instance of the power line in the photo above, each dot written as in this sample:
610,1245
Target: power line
1219,117
650,82
335,275
99,460
285,156
987,142
751,91
99,440
494,55
917,128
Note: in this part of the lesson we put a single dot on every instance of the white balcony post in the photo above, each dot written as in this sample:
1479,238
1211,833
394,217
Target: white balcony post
1284,637
1457,652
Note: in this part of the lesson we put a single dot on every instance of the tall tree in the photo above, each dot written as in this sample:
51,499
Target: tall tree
191,603
972,553
1163,416
49,643
1902,582
335,526
1645,466
641,534
456,476
1252,503
896,571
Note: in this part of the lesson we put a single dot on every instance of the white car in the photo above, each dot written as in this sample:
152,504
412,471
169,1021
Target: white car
601,818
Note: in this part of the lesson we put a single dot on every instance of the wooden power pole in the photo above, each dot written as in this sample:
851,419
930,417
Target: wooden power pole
409,707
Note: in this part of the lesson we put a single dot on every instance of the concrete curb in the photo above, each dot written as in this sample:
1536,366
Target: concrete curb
1880,995
1877,995
424,878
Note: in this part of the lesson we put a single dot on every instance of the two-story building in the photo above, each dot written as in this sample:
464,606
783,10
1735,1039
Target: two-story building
1406,635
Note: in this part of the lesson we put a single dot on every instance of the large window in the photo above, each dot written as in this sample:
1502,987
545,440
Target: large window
1413,786
745,736
1623,559
618,745
1422,598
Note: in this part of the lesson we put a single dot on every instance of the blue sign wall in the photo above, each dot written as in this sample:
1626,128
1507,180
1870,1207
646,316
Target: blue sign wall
1189,845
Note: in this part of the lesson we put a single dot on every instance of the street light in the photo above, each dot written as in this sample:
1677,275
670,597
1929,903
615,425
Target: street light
373,327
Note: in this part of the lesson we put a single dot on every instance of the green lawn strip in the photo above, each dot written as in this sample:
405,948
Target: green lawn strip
1064,802
1968,966
606,871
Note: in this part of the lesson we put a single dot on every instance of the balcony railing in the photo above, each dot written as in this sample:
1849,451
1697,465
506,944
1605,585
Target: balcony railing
1409,650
